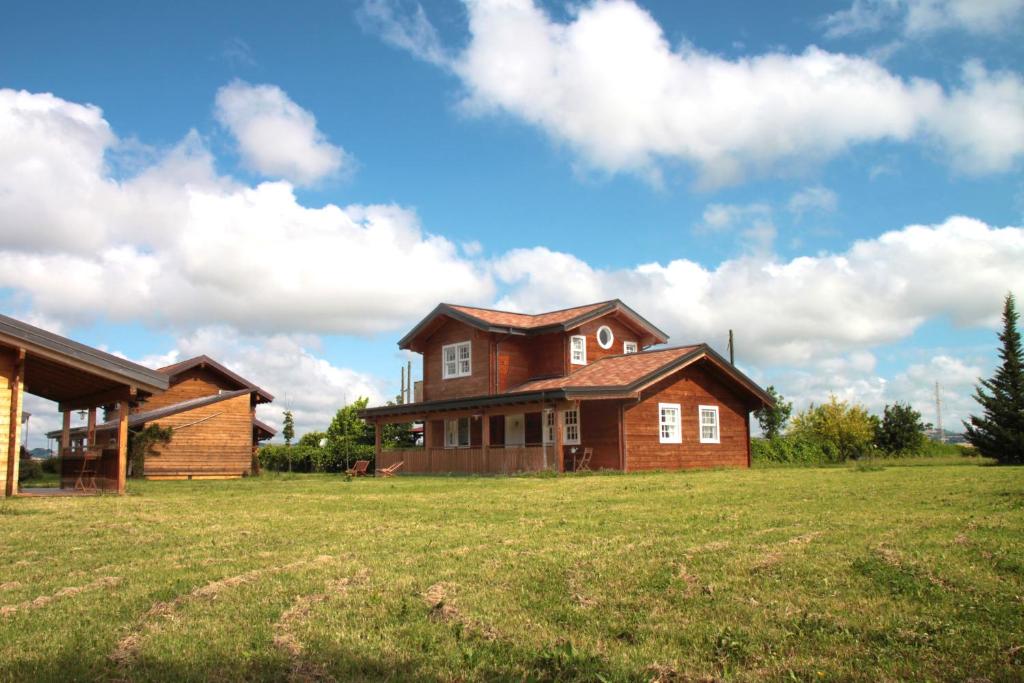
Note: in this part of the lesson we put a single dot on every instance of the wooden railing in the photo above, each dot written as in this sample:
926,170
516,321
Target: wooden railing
494,460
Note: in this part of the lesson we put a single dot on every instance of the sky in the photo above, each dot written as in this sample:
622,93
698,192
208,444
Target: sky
289,188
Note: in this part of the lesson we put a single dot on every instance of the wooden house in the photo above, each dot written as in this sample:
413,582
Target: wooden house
77,377
507,392
212,413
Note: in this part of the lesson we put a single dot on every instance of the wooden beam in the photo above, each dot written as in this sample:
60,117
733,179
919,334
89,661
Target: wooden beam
377,439
100,398
91,429
485,437
14,426
122,446
559,447
65,433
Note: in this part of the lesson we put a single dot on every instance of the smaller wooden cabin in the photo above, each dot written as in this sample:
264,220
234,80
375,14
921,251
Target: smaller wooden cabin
212,413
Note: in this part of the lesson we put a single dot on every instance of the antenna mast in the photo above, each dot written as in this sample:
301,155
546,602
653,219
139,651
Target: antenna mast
732,350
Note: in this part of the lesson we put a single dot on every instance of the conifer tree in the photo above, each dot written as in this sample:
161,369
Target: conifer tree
999,432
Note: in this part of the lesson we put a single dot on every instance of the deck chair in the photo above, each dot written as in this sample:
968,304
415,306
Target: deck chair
359,468
583,465
90,468
390,471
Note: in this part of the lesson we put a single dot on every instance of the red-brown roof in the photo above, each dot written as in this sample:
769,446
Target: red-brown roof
529,323
610,371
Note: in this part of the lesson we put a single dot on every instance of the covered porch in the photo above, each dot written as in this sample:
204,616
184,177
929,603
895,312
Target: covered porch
502,435
77,378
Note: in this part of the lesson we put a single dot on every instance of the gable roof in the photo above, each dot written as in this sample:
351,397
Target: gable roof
204,361
491,320
623,376
141,418
264,430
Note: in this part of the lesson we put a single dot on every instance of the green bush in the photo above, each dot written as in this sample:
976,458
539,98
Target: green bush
792,450
301,458
29,469
900,431
51,465
843,431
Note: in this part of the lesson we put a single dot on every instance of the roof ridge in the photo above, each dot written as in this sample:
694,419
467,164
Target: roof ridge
531,315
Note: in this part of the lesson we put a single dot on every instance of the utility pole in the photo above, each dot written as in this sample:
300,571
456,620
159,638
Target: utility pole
408,386
938,414
401,396
732,350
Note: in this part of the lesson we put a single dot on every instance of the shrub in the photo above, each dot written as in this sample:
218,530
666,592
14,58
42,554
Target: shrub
300,458
793,450
900,431
842,430
51,465
29,469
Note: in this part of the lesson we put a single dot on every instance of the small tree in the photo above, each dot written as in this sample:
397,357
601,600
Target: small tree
347,430
901,430
999,432
142,443
773,418
397,434
843,431
288,429
312,439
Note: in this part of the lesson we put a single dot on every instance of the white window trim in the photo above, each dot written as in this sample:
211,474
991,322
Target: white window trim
469,433
548,425
566,440
611,337
627,344
678,438
572,356
444,362
700,424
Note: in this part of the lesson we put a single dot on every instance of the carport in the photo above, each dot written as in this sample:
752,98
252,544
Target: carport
76,377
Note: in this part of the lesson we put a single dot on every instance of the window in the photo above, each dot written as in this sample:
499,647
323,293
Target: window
549,426
456,360
629,347
456,433
578,346
669,430
605,338
571,427
709,424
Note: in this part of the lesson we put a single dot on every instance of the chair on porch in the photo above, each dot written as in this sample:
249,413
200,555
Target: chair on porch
390,471
91,457
583,464
358,469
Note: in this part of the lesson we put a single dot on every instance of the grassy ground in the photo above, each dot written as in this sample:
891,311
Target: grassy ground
806,574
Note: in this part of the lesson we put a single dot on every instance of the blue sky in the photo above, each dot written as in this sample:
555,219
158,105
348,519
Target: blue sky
725,165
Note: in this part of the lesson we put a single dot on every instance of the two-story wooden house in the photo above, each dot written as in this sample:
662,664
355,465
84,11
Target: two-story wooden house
508,392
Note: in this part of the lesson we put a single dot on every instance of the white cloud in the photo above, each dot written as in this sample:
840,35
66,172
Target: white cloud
918,18
276,137
608,84
803,310
409,30
754,223
177,245
815,198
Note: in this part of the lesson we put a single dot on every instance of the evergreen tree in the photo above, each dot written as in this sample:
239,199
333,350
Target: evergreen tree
999,432
288,431
773,419
901,430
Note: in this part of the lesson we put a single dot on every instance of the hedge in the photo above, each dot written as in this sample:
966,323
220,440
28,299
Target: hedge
300,458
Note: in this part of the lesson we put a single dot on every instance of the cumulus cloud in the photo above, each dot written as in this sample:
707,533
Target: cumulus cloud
178,245
276,137
925,17
608,84
803,310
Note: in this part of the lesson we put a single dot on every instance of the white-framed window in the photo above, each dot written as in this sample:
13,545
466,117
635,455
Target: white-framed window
549,425
709,424
605,337
456,433
669,427
457,360
578,349
571,427
629,347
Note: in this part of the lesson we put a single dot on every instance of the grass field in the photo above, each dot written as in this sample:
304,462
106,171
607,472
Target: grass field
807,574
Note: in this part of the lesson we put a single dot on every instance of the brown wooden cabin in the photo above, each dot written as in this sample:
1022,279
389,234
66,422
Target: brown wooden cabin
507,392
212,412
77,377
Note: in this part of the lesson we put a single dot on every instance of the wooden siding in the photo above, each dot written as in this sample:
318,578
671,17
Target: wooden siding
8,361
599,429
621,331
699,384
194,383
211,440
524,358
467,460
478,383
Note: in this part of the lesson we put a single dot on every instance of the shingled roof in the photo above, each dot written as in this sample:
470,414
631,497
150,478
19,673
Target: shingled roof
172,371
611,371
509,322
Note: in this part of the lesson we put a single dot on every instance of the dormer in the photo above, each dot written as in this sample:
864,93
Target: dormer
469,351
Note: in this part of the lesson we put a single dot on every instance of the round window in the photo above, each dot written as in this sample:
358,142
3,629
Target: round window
605,337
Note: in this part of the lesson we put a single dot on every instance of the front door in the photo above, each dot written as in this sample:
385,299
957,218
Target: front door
515,430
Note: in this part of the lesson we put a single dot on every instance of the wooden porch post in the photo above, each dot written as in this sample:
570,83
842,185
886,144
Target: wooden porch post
14,431
65,435
559,449
122,445
485,437
92,427
377,441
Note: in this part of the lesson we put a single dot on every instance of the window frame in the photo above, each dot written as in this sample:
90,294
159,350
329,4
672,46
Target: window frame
700,424
566,425
457,346
448,433
547,426
678,438
625,347
611,337
583,347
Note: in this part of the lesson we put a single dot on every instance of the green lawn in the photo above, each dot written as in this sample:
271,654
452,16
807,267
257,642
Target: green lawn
812,574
